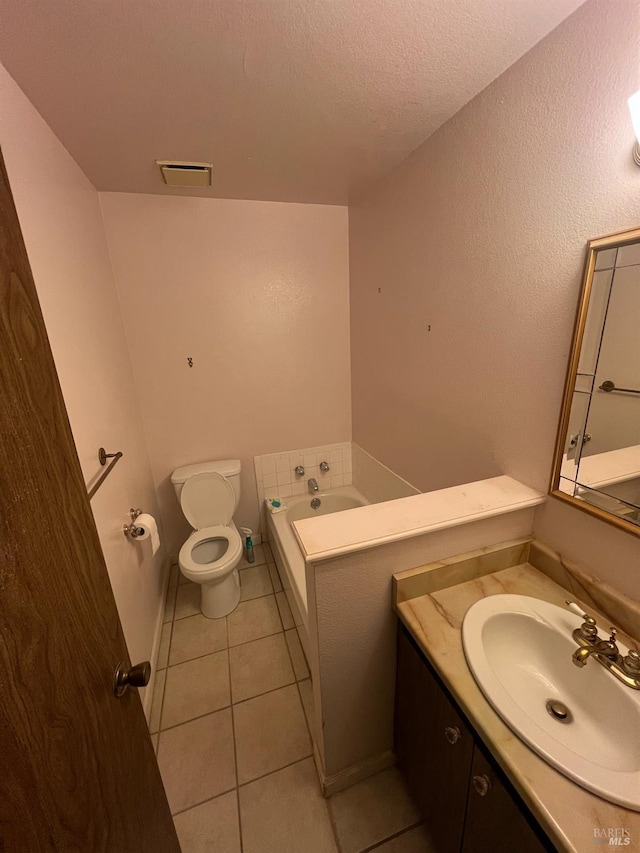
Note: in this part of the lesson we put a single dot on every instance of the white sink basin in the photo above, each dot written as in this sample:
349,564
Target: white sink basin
519,651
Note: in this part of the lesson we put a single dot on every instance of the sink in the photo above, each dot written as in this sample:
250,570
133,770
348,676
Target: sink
584,722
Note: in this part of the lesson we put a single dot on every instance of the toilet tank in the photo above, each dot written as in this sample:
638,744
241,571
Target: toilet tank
229,468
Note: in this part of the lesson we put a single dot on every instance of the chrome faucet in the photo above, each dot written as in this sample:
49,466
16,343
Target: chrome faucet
606,652
313,485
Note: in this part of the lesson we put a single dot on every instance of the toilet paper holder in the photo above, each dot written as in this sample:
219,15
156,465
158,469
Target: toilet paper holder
132,529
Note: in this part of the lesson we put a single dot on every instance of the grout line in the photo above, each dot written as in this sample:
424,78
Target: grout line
277,770
304,713
235,750
332,821
232,702
202,802
243,785
225,649
164,688
392,837
193,719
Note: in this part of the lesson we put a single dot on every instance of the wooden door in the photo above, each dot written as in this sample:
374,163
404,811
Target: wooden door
434,747
77,767
496,820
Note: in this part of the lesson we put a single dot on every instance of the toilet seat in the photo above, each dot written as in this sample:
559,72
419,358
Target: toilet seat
213,569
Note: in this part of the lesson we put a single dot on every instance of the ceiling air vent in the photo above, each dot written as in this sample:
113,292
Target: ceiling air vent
176,173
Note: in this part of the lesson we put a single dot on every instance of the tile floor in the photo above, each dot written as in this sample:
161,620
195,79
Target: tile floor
230,723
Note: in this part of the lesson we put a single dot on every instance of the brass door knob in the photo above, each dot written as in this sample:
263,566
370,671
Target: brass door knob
452,734
131,676
482,784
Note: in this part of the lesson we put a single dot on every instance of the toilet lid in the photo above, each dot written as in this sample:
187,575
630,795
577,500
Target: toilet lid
207,500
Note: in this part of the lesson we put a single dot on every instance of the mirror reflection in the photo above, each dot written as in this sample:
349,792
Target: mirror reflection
600,429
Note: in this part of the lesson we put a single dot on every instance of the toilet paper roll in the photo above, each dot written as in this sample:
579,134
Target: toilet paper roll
147,524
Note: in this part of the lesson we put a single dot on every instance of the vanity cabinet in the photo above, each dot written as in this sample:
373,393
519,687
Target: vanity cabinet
467,803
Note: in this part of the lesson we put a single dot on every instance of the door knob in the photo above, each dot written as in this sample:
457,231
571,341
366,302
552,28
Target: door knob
134,676
452,734
482,784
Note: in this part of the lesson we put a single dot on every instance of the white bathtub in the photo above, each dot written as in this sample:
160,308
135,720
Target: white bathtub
288,556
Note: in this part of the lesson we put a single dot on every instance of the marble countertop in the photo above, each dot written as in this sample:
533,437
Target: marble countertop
340,533
569,814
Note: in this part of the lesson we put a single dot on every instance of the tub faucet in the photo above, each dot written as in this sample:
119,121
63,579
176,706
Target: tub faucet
313,485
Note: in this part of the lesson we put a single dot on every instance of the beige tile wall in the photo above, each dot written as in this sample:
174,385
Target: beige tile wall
276,477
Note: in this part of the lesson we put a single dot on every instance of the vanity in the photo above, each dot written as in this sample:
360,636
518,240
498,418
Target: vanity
479,786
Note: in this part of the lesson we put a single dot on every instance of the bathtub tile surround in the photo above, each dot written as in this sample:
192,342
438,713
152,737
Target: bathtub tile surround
234,747
276,477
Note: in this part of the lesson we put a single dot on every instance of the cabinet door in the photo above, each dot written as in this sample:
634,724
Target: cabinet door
434,747
495,817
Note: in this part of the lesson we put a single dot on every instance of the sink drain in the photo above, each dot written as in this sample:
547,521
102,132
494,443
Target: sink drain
559,711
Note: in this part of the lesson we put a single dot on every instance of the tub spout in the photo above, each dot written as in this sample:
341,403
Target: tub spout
313,486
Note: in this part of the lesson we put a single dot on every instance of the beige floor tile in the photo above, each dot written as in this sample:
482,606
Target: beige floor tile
286,813
372,811
154,741
297,655
196,760
173,575
259,558
165,641
169,604
285,611
259,666
197,636
275,577
212,827
253,619
270,733
413,841
306,694
195,688
188,600
156,701
254,583
268,553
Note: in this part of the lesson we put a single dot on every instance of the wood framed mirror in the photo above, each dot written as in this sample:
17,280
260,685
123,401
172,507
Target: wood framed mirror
597,458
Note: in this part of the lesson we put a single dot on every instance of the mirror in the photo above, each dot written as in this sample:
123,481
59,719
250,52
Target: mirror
597,461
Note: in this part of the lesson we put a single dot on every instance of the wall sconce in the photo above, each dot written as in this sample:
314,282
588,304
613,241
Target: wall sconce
634,109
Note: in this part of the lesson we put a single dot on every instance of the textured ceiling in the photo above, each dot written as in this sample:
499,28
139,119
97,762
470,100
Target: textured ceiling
291,100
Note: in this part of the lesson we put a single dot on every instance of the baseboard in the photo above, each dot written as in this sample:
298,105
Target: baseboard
155,649
355,773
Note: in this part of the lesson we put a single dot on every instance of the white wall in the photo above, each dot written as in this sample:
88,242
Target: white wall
352,630
61,222
480,237
257,293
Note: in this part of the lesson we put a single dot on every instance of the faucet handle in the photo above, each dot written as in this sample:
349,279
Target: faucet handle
299,471
631,663
588,630
575,608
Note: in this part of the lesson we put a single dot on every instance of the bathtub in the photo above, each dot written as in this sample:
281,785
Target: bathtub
287,554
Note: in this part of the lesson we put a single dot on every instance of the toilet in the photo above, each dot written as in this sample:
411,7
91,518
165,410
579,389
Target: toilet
209,493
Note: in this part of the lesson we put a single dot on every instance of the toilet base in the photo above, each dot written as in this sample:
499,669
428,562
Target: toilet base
220,599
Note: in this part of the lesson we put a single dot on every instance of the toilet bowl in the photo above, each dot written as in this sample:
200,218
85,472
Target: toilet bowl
211,554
